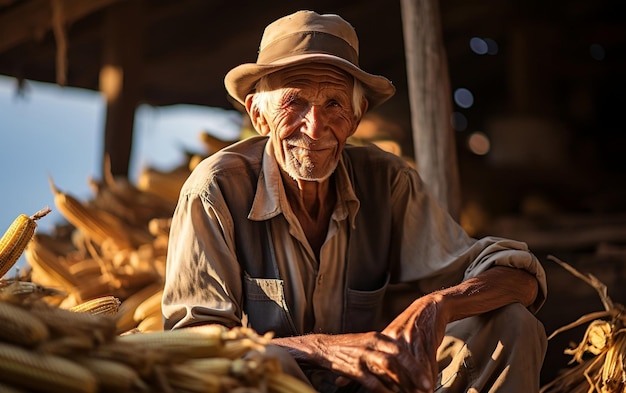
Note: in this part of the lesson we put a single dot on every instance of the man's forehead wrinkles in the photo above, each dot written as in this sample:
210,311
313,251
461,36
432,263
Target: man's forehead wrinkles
304,84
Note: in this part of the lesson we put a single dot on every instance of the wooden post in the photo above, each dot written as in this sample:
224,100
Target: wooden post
120,80
430,101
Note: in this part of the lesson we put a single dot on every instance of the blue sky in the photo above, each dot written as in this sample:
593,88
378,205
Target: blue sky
51,131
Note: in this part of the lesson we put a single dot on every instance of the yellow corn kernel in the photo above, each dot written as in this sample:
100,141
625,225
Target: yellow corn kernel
16,238
103,305
43,372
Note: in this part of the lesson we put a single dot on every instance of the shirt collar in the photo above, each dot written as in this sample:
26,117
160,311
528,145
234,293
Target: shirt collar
270,194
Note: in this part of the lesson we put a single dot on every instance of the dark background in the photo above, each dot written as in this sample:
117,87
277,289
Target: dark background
551,100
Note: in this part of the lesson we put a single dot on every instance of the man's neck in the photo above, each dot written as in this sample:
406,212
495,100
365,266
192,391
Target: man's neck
311,196
312,203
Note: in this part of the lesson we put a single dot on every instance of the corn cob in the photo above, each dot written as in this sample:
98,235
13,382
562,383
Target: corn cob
109,201
215,365
67,346
126,312
113,376
19,326
94,223
178,344
87,267
153,323
234,349
42,372
190,380
15,239
165,184
92,287
152,205
47,263
61,323
160,226
150,306
103,305
142,360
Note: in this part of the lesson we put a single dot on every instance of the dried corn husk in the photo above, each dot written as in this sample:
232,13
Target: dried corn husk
598,360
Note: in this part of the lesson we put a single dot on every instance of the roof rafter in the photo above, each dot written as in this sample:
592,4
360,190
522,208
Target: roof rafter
31,19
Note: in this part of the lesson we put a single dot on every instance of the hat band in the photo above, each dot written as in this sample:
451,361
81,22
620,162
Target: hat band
308,42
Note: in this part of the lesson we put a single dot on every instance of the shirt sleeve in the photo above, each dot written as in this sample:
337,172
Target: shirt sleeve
202,279
436,252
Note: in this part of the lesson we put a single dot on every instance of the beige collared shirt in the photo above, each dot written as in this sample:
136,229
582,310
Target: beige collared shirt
238,255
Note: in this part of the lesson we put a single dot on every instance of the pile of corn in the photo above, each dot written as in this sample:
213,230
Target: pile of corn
85,316
599,360
113,244
46,348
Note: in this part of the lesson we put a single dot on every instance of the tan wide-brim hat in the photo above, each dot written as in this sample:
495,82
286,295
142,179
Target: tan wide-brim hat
305,37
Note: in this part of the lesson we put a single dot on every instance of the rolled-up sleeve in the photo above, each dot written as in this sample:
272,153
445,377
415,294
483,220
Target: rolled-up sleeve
436,252
202,283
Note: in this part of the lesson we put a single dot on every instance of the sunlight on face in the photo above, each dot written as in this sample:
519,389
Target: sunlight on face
311,116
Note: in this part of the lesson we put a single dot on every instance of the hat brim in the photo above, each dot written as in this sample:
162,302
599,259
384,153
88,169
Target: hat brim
241,80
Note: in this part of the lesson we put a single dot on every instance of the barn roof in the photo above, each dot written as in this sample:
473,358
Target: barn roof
562,59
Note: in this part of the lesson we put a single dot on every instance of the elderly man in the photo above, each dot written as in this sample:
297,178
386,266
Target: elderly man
298,233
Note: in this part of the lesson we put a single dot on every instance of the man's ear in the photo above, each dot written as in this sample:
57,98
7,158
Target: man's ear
256,117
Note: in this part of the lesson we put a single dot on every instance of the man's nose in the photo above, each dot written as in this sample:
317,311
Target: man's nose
315,123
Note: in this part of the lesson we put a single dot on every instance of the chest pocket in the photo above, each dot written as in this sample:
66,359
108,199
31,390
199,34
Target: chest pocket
266,307
364,309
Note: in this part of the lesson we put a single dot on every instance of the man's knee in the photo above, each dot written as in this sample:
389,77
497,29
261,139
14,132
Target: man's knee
516,322
502,351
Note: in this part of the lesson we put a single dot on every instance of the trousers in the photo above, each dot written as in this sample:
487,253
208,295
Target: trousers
498,352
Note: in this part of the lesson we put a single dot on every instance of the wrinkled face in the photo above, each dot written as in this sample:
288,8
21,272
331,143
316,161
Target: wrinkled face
309,119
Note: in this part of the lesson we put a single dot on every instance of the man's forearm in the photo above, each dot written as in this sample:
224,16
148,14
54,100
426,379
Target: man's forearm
496,287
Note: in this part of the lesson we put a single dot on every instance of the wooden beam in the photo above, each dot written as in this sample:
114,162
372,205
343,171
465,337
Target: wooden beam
121,80
31,19
430,101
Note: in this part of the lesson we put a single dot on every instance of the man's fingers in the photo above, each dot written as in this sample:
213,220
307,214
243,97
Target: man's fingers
399,371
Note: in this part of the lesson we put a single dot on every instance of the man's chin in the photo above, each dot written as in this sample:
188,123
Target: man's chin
298,176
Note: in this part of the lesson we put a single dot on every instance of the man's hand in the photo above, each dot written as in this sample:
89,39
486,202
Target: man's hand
376,361
403,356
420,329
421,326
